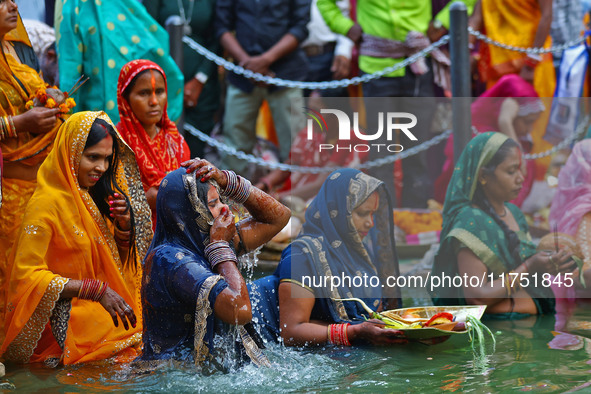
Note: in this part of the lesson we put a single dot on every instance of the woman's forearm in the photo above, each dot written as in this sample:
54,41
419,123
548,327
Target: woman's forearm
71,289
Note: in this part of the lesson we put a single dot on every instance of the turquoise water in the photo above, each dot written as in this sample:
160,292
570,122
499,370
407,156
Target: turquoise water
530,356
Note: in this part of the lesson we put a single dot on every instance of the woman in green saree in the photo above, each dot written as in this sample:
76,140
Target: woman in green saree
485,239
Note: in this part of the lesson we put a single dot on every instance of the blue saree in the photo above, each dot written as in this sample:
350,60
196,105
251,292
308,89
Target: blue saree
330,246
179,289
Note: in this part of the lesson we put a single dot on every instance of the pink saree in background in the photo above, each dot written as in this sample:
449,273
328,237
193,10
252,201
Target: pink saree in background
485,116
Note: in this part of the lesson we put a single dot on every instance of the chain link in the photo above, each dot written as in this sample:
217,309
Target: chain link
371,164
533,51
562,144
312,170
220,61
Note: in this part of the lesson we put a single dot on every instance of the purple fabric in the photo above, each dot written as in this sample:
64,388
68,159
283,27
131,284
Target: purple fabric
573,197
485,110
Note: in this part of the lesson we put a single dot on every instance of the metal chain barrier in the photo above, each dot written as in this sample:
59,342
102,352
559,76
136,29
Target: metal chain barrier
581,128
220,61
533,51
371,164
312,170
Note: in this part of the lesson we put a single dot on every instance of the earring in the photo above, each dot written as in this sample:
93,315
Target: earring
483,182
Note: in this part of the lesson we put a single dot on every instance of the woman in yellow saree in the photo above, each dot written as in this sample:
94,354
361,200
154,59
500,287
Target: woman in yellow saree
31,134
79,234
521,23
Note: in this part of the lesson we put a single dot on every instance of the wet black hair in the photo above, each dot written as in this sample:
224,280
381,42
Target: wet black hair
107,184
482,202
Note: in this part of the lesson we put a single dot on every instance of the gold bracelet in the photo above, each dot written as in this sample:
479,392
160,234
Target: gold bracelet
11,127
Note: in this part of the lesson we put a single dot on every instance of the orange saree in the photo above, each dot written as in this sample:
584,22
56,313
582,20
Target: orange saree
17,83
515,22
64,237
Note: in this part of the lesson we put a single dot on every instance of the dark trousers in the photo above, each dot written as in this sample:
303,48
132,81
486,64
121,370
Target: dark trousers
413,94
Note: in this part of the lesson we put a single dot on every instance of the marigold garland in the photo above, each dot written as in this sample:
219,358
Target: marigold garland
412,222
43,99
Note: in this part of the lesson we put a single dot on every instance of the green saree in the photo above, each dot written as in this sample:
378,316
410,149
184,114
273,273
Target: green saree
465,225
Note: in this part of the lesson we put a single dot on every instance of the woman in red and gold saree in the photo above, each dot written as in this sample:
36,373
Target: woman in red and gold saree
145,126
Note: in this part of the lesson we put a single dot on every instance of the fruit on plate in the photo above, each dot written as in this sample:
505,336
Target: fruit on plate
440,318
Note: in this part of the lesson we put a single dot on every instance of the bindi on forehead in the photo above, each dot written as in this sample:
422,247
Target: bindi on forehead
153,80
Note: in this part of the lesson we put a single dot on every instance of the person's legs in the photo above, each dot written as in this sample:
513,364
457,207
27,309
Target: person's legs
287,108
240,124
378,97
412,94
417,186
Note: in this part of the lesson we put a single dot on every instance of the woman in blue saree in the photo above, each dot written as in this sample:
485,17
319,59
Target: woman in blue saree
191,284
485,236
348,236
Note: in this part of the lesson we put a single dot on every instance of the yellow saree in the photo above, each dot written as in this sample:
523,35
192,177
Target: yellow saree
514,22
64,236
17,83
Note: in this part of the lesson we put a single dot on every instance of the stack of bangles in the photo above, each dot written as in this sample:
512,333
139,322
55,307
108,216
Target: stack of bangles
337,334
516,284
219,251
92,289
7,128
122,237
238,188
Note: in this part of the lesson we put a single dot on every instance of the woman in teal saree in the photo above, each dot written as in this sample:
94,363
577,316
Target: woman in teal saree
485,239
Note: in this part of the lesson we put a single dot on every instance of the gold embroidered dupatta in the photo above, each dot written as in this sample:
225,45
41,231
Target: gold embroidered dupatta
64,236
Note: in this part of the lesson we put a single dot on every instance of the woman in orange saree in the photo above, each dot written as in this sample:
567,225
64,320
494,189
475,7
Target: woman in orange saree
521,23
33,131
69,246
526,24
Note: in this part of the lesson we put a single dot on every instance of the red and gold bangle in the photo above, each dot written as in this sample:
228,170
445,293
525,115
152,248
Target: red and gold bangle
102,291
3,129
346,341
92,289
11,128
337,334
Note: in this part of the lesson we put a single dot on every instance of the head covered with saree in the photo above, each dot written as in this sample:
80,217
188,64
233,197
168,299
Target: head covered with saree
573,196
469,221
65,236
156,157
329,244
486,109
182,203
182,233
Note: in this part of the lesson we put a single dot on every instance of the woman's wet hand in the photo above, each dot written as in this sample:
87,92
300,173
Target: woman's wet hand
223,228
120,211
205,171
376,333
115,305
